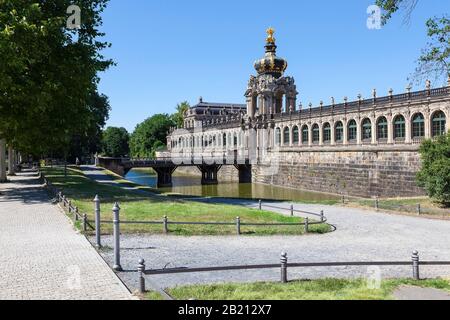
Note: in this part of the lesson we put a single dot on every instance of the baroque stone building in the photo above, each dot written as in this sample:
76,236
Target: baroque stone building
367,147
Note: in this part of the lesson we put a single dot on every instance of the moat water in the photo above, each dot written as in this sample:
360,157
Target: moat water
190,185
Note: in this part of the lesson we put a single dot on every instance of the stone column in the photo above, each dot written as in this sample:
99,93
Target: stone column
3,160
390,131
374,131
345,138
321,134
408,132
11,165
310,135
358,132
250,107
333,133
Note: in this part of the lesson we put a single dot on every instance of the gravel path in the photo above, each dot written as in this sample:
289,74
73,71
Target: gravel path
361,235
42,257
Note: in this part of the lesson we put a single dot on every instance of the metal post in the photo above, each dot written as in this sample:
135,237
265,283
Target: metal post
292,210
85,222
260,205
415,265
165,224
70,206
141,270
60,196
377,204
322,216
238,226
284,261
343,199
306,225
97,221
419,209
64,201
116,232
75,214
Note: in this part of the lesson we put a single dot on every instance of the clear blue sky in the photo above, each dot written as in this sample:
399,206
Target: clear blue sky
169,51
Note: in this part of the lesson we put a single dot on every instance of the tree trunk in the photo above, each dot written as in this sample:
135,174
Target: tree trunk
11,165
3,160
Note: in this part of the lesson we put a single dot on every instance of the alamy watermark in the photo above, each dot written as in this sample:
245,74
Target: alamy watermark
374,278
74,278
374,19
74,20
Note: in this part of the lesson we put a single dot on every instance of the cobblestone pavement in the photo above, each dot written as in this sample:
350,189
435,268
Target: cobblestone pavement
360,236
42,256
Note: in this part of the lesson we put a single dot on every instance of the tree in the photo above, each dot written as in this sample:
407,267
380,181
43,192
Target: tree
434,176
434,62
150,135
178,117
116,142
48,73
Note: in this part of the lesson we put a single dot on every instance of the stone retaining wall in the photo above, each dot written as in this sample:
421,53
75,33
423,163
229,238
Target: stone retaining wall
356,173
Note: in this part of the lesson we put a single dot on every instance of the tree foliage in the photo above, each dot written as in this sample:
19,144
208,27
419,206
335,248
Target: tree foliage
434,176
49,74
150,135
434,62
178,116
116,142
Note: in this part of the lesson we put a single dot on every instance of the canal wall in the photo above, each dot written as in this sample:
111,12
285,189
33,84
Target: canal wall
358,173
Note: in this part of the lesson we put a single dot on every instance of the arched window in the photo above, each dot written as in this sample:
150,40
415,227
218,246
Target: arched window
327,133
339,133
366,129
286,136
418,126
352,130
278,137
295,135
438,123
399,127
305,134
315,133
382,128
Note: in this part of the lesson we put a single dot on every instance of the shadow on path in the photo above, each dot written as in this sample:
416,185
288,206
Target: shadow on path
25,187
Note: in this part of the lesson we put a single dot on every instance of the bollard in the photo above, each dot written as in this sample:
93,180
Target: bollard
238,226
377,204
75,214
97,221
322,216
70,206
141,271
343,199
260,205
64,201
419,209
60,196
85,222
292,210
116,232
415,265
306,225
165,224
284,261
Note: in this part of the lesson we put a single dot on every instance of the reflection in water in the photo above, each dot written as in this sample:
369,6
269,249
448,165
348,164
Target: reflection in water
191,185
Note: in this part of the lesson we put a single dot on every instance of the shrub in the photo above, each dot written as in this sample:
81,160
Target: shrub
434,175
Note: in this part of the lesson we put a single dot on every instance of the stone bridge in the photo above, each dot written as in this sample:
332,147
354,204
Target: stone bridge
165,167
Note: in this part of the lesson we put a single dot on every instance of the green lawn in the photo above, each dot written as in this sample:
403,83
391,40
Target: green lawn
324,289
145,206
408,205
